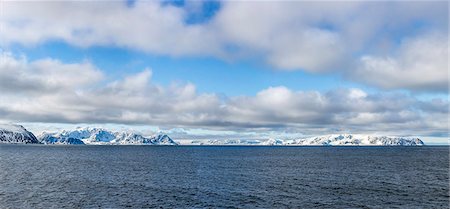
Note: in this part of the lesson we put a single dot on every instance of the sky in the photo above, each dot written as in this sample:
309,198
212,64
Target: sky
227,69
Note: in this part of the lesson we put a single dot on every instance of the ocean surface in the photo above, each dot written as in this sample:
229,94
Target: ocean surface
37,176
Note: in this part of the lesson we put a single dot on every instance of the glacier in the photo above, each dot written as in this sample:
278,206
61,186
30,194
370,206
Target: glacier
16,134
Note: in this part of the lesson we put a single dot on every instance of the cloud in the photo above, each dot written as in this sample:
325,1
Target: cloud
341,109
48,90
147,26
316,37
57,97
17,75
281,35
419,64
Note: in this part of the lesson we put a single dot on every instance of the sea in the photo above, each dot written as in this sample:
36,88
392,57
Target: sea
39,176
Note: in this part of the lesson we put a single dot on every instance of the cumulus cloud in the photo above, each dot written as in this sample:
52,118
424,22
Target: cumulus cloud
341,109
48,90
310,36
147,26
57,97
287,35
17,75
420,64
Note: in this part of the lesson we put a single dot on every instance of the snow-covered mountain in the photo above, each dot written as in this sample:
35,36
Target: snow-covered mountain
326,140
103,137
16,134
225,142
273,142
47,138
133,138
362,140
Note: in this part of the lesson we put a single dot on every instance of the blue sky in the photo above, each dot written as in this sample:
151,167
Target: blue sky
273,68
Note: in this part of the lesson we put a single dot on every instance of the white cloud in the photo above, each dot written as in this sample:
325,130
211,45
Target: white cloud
284,34
304,50
147,26
420,64
57,97
48,75
300,35
49,90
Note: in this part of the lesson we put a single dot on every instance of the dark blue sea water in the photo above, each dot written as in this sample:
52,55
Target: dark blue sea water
36,176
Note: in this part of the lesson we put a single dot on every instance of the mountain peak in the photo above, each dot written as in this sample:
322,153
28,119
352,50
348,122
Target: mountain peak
11,133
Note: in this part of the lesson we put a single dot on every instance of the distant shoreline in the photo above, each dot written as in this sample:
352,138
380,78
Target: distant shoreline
209,145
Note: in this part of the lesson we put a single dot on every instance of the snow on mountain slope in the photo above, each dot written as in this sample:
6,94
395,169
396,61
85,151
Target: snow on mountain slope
47,138
133,138
326,140
101,136
86,135
16,134
362,140
273,142
162,139
226,142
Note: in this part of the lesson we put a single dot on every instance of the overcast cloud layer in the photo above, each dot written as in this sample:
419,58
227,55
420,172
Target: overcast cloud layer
51,91
362,41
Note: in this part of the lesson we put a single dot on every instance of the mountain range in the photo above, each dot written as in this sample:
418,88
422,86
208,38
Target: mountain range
10,133
99,136
325,140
